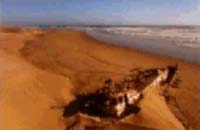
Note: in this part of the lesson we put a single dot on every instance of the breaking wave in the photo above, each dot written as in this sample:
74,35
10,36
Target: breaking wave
178,42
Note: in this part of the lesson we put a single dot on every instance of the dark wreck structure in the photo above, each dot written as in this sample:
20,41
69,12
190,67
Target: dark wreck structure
119,99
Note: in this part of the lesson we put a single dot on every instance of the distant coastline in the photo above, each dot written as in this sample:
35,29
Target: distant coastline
98,25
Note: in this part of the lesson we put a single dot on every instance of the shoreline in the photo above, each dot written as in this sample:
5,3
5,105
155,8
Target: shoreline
149,45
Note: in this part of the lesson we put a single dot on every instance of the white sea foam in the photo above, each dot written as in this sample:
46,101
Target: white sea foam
180,42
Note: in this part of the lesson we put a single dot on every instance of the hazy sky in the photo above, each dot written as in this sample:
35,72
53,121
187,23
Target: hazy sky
100,11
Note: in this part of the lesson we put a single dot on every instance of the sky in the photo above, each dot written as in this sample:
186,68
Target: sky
100,12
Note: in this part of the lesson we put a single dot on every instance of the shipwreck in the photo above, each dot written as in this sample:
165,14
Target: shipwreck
119,99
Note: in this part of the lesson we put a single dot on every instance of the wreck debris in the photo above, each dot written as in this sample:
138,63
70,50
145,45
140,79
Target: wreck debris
119,99
176,83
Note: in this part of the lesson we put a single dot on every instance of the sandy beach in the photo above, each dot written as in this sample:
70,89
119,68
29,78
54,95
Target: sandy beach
41,70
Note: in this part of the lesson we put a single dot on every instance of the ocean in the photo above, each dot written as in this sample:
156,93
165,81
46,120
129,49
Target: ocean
181,42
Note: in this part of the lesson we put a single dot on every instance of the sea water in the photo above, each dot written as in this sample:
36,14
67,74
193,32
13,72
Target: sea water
179,42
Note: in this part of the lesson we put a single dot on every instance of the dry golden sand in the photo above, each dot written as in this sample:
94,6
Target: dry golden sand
40,69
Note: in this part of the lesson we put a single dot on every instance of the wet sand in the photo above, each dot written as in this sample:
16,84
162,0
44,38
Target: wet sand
187,50
42,70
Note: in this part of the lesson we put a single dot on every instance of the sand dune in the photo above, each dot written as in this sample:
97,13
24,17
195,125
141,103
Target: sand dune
43,69
27,95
